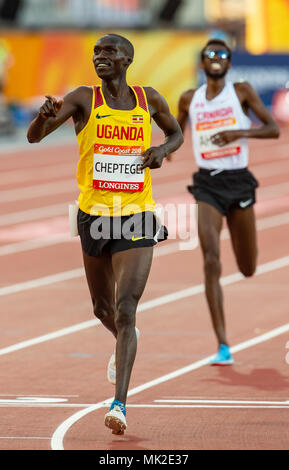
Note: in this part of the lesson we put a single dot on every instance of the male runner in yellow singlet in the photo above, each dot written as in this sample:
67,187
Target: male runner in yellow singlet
223,186
116,219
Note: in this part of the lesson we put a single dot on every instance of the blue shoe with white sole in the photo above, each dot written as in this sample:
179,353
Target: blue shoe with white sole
223,357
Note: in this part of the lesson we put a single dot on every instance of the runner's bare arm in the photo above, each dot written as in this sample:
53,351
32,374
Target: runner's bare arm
183,111
183,108
250,99
53,113
159,111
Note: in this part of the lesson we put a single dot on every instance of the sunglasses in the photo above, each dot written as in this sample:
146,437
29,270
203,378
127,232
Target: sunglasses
212,54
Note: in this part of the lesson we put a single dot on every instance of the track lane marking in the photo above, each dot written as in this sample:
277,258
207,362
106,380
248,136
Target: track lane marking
27,245
43,212
24,437
39,190
58,435
49,336
39,173
232,402
70,186
149,405
158,301
42,281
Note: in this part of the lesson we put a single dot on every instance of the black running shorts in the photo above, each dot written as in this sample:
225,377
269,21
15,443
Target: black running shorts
225,189
113,234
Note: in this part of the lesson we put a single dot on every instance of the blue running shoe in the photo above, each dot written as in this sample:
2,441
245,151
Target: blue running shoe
223,357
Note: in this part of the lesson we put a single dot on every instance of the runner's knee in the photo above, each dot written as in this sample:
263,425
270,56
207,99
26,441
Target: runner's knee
102,310
212,264
125,314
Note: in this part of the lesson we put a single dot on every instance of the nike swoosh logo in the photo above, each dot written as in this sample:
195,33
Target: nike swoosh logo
215,172
245,203
134,239
103,116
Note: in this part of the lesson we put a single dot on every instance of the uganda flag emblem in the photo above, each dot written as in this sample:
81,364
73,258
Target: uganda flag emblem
137,118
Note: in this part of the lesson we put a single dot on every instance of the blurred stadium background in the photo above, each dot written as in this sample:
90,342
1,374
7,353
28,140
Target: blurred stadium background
46,47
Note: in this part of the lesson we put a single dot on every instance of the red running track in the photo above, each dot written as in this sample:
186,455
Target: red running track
54,354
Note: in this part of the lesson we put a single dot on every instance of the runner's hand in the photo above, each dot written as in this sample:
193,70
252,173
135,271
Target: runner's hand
225,137
153,157
51,107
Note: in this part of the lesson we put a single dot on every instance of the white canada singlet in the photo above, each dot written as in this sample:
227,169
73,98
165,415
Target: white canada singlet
208,117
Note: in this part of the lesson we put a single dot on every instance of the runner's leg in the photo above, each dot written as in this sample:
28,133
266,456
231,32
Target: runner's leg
209,225
131,269
242,226
101,283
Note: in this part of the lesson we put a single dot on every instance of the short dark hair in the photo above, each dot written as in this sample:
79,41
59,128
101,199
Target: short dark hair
125,43
219,42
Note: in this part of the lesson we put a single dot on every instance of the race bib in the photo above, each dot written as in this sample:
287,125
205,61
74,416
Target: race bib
118,168
205,132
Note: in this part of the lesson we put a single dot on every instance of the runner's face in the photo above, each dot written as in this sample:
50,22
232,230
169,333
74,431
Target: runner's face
215,66
109,59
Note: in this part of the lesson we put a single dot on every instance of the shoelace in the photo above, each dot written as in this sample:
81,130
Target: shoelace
120,405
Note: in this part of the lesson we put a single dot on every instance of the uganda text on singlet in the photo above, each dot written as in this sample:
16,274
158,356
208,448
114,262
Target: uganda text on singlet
110,149
208,117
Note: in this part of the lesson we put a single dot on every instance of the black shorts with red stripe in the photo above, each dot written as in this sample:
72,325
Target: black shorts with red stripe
100,234
225,189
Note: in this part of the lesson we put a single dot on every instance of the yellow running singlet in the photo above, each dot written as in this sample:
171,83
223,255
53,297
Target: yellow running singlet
110,148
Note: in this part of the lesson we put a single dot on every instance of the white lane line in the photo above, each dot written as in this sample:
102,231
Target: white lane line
33,400
255,407
27,245
262,224
44,405
39,396
26,148
58,435
43,212
70,186
268,169
232,402
68,169
165,299
161,250
37,173
23,437
48,337
266,192
40,190
169,248
65,136
79,272
197,397
42,281
171,405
